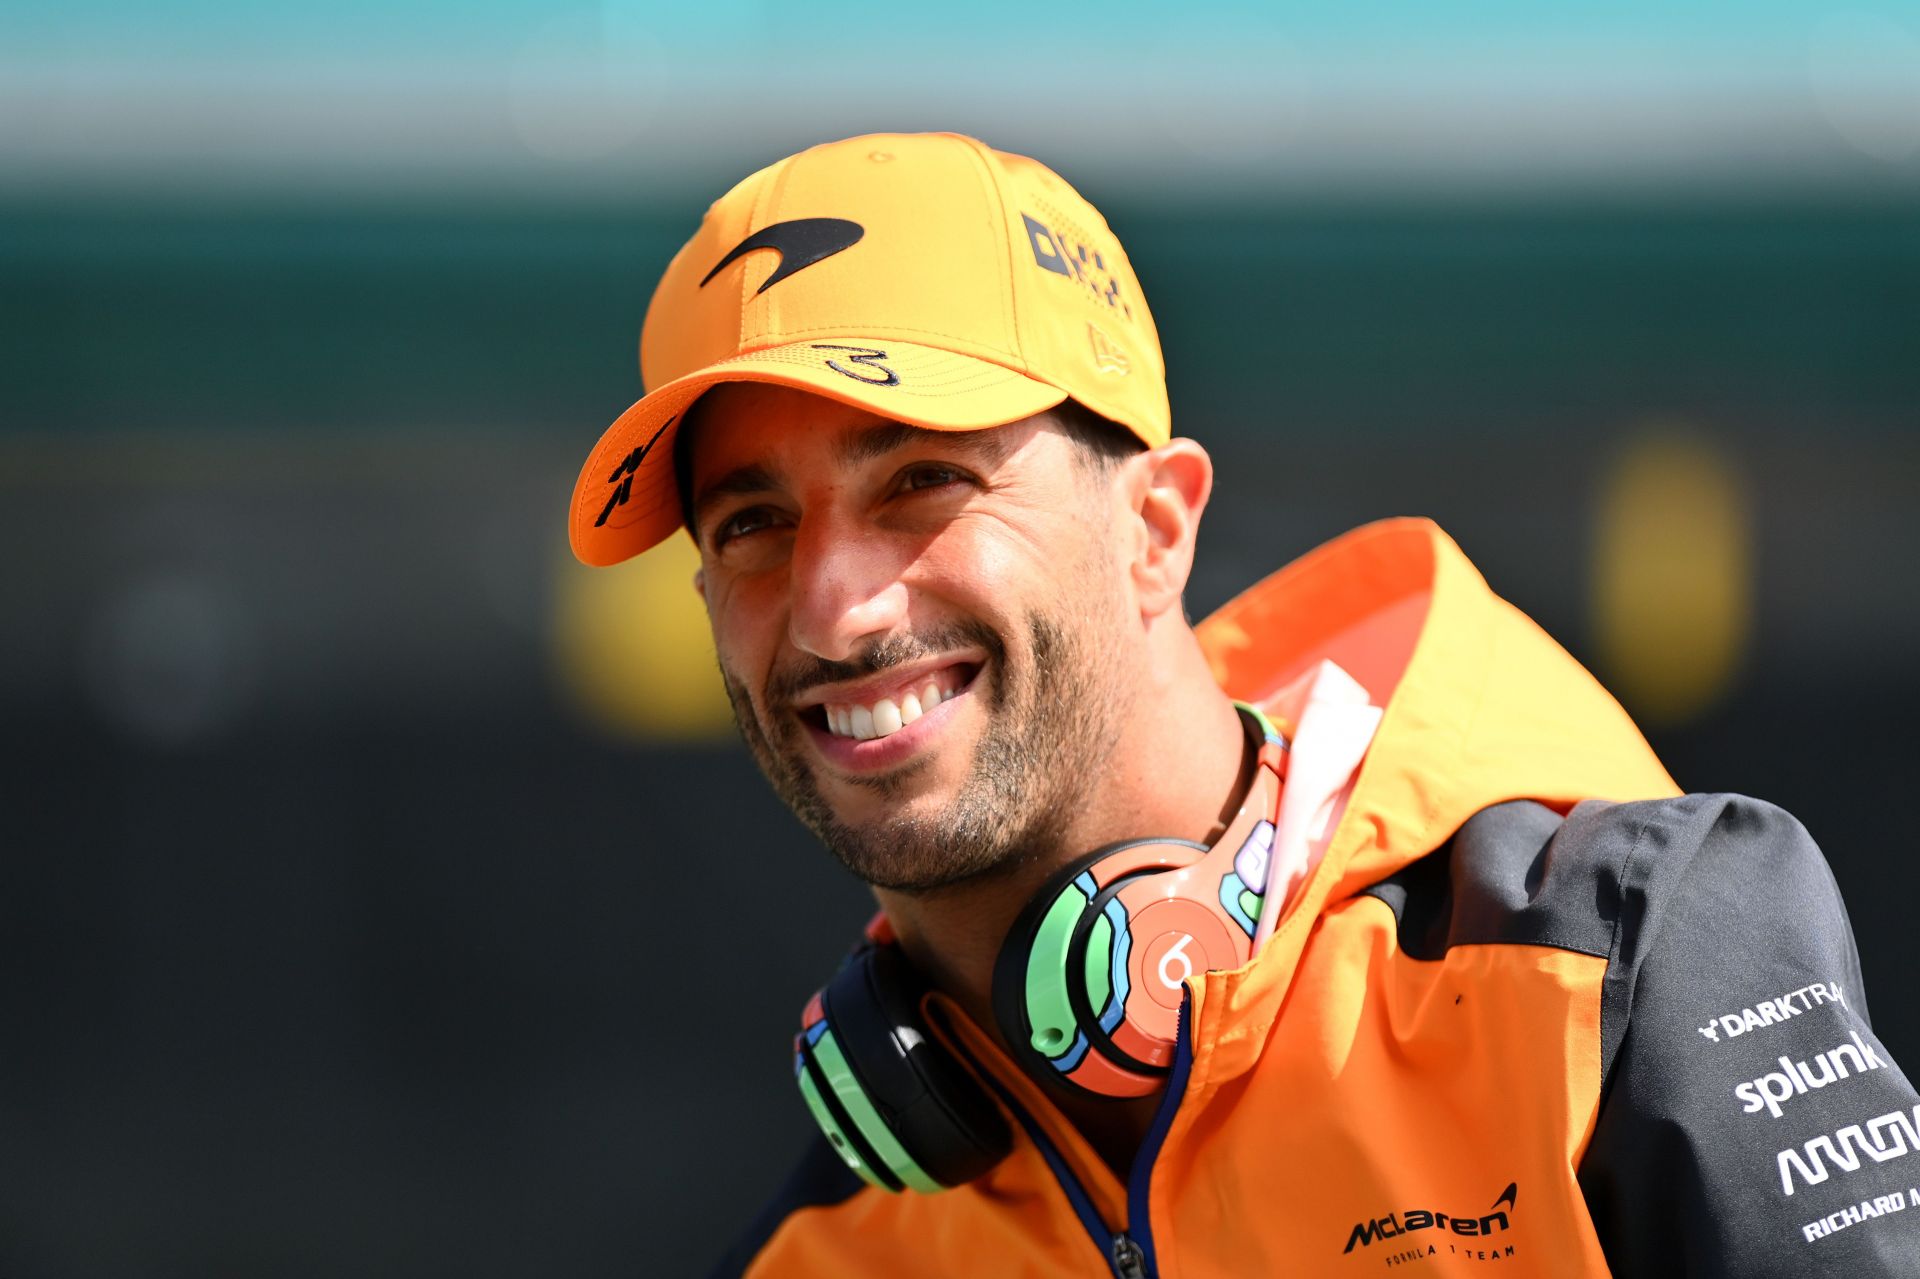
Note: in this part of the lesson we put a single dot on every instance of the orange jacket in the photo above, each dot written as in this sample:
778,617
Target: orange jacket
1489,1027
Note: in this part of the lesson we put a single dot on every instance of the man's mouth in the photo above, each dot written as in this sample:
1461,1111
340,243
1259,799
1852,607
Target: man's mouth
883,706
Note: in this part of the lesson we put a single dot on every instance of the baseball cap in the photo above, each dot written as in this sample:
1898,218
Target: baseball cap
925,277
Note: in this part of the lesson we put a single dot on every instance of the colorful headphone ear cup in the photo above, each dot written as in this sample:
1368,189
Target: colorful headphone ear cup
820,1070
1053,990
919,1115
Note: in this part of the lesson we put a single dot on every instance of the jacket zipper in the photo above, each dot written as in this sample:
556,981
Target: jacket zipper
1130,1251
1128,1261
1140,1179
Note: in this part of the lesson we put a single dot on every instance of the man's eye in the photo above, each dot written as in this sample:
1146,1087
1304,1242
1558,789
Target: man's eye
742,524
931,476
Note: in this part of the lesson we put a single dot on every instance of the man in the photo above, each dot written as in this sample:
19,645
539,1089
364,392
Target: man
1411,954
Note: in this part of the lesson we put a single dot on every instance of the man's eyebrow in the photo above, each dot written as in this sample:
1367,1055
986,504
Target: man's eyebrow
741,480
867,443
855,445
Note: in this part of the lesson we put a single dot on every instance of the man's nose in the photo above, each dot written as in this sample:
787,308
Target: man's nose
846,590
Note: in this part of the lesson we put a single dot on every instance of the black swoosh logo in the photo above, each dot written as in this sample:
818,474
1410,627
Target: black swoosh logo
801,243
1506,1196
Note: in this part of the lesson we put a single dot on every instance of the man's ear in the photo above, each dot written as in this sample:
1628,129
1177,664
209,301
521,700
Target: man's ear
1167,490
700,584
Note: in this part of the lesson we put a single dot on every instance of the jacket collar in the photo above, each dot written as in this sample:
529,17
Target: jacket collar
1481,706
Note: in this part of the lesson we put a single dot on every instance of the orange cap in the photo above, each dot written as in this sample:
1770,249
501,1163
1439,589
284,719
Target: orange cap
925,277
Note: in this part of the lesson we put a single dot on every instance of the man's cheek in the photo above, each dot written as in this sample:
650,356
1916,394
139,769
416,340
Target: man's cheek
733,673
738,627
745,711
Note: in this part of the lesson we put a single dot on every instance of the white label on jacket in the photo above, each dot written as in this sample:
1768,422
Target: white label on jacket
1794,1078
1772,1012
1854,1214
1884,1137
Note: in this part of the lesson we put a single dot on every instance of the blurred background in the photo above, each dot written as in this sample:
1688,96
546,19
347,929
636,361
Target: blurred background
385,894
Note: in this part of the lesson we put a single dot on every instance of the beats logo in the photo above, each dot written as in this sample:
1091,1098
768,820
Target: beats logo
1177,951
1182,938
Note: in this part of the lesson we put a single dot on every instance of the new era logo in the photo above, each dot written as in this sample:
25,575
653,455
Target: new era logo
1107,357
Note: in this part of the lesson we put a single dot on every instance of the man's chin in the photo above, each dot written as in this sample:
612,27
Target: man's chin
913,857
912,794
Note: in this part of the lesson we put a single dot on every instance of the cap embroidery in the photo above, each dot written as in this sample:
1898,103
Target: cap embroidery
1080,263
623,474
800,242
867,357
1107,356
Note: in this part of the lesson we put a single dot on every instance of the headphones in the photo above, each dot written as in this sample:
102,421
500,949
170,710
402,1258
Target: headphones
1087,990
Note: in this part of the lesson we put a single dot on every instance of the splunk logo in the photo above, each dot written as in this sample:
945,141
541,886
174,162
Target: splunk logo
1794,1078
1408,1220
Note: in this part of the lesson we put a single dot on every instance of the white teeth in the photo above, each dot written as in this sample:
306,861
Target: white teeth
885,717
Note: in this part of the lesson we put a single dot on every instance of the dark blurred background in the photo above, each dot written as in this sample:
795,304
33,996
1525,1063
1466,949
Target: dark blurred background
384,894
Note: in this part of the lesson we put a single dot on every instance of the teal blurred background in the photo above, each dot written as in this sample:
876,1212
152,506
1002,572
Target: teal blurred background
384,893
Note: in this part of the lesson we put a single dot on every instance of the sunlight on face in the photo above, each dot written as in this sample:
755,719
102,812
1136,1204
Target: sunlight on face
921,632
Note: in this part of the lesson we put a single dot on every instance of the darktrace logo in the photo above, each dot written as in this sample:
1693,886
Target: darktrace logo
1078,261
1451,1232
800,243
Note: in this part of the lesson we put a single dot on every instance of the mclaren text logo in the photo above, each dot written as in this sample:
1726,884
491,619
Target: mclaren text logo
1411,1220
1889,1136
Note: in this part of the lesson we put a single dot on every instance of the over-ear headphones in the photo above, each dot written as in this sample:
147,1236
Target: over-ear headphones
1087,989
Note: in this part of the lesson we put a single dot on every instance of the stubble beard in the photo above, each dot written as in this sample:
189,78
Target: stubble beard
1049,727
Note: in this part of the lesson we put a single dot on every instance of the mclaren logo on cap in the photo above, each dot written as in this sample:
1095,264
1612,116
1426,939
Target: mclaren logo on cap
800,243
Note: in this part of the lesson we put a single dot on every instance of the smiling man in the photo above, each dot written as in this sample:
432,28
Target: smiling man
939,669
1356,926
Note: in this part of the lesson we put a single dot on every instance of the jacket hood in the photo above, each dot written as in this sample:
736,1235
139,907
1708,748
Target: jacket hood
1481,706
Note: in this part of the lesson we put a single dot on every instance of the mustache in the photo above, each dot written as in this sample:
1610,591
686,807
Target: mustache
883,654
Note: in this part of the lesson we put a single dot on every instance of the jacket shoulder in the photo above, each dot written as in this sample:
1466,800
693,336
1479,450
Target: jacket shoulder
1715,872
1749,1122
1725,889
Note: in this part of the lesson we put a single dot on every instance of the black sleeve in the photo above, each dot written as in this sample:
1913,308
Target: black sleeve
1750,1122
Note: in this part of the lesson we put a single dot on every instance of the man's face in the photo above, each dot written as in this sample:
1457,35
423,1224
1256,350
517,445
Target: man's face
921,632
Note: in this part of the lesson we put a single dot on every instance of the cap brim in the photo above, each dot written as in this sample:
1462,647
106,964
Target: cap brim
625,499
